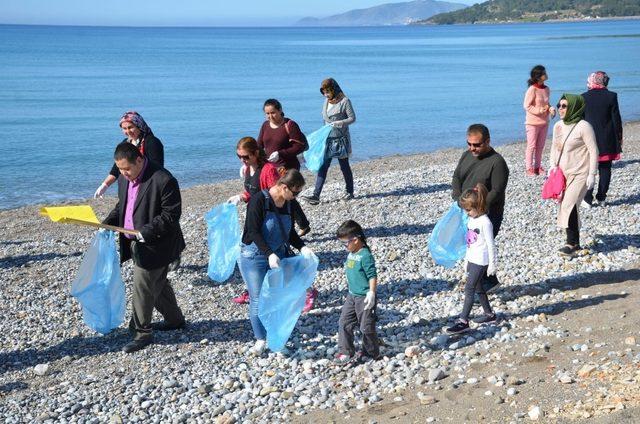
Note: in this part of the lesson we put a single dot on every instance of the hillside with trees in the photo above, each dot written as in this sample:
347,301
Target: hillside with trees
536,11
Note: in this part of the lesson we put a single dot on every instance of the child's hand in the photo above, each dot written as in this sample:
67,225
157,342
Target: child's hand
491,269
369,300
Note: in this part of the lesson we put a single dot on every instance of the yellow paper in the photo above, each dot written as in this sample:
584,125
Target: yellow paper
77,213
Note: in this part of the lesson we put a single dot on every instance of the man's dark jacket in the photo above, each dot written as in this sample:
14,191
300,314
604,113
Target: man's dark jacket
603,113
156,215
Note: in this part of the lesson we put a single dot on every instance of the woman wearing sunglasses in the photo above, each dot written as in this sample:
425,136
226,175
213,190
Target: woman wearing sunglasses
267,238
259,174
575,152
538,110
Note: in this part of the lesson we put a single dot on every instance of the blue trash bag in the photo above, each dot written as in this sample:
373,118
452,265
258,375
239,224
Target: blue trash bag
314,157
283,295
98,285
223,234
448,241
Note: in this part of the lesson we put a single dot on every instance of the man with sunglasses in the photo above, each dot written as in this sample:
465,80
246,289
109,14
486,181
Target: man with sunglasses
482,164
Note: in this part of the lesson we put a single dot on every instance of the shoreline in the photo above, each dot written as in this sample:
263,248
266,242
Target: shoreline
229,185
562,20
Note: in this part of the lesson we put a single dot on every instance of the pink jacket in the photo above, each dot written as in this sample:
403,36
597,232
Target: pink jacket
534,101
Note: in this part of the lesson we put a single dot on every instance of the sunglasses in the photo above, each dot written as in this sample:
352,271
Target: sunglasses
294,192
244,157
562,106
475,144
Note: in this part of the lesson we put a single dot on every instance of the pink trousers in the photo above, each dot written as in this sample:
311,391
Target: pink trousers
536,136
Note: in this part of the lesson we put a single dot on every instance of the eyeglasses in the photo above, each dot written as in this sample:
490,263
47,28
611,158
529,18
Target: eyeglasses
348,242
562,105
476,145
244,157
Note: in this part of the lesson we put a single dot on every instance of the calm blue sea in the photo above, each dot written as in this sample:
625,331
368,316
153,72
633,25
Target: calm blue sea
414,89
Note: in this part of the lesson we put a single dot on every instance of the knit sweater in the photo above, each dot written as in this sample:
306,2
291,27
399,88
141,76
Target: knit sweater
489,169
535,99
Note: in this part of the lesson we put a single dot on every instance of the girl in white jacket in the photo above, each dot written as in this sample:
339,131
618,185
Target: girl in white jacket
480,257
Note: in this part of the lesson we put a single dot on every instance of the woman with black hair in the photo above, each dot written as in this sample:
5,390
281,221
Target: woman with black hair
538,110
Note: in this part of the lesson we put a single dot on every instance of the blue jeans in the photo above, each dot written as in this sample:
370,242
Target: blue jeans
253,266
322,175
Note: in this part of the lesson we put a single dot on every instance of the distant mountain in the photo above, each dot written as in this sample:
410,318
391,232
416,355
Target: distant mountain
385,14
537,11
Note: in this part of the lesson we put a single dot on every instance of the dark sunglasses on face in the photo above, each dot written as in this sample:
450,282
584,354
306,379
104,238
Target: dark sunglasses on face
475,144
562,106
243,157
294,192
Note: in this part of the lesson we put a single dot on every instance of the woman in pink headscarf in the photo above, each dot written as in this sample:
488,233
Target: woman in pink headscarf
139,134
603,113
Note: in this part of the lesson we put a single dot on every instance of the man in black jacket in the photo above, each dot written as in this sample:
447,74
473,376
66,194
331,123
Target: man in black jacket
481,164
602,112
149,202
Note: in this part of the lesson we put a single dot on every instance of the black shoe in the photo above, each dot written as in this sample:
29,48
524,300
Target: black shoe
362,358
486,318
569,250
346,197
312,200
136,345
458,327
164,326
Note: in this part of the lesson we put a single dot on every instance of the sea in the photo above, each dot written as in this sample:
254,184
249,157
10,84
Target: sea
414,89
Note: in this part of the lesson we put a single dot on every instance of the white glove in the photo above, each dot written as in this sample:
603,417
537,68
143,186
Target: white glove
235,199
369,300
139,237
591,180
305,251
491,269
274,261
274,157
100,191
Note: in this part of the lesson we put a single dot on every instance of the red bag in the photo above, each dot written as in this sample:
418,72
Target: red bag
554,185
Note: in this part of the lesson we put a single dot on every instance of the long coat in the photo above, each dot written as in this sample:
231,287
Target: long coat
156,215
603,113
579,158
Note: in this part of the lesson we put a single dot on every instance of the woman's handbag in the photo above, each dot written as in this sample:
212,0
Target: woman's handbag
554,185
337,147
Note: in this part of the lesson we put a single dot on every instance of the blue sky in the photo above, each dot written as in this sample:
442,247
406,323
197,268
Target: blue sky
174,13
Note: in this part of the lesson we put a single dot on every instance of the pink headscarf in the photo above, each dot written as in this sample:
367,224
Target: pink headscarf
136,119
598,80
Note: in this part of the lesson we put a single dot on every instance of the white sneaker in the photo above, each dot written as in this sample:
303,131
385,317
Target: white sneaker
585,205
258,348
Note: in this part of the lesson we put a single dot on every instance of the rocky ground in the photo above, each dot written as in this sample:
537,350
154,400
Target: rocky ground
566,347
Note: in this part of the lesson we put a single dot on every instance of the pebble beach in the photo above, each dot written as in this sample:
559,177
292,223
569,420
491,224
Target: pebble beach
54,369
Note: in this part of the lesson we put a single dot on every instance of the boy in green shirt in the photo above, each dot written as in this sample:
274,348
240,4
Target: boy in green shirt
359,310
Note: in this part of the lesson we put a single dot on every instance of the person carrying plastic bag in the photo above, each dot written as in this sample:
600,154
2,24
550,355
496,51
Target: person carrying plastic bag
267,240
283,296
98,285
447,243
223,236
314,157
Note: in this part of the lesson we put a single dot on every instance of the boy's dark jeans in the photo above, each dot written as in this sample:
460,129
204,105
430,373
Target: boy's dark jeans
352,316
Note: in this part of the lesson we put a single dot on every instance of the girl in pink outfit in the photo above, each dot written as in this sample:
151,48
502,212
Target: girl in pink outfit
538,110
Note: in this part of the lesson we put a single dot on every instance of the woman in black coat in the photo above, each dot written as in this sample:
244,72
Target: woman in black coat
603,113
139,134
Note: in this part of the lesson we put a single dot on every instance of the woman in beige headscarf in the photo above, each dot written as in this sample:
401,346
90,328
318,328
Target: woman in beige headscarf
575,151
